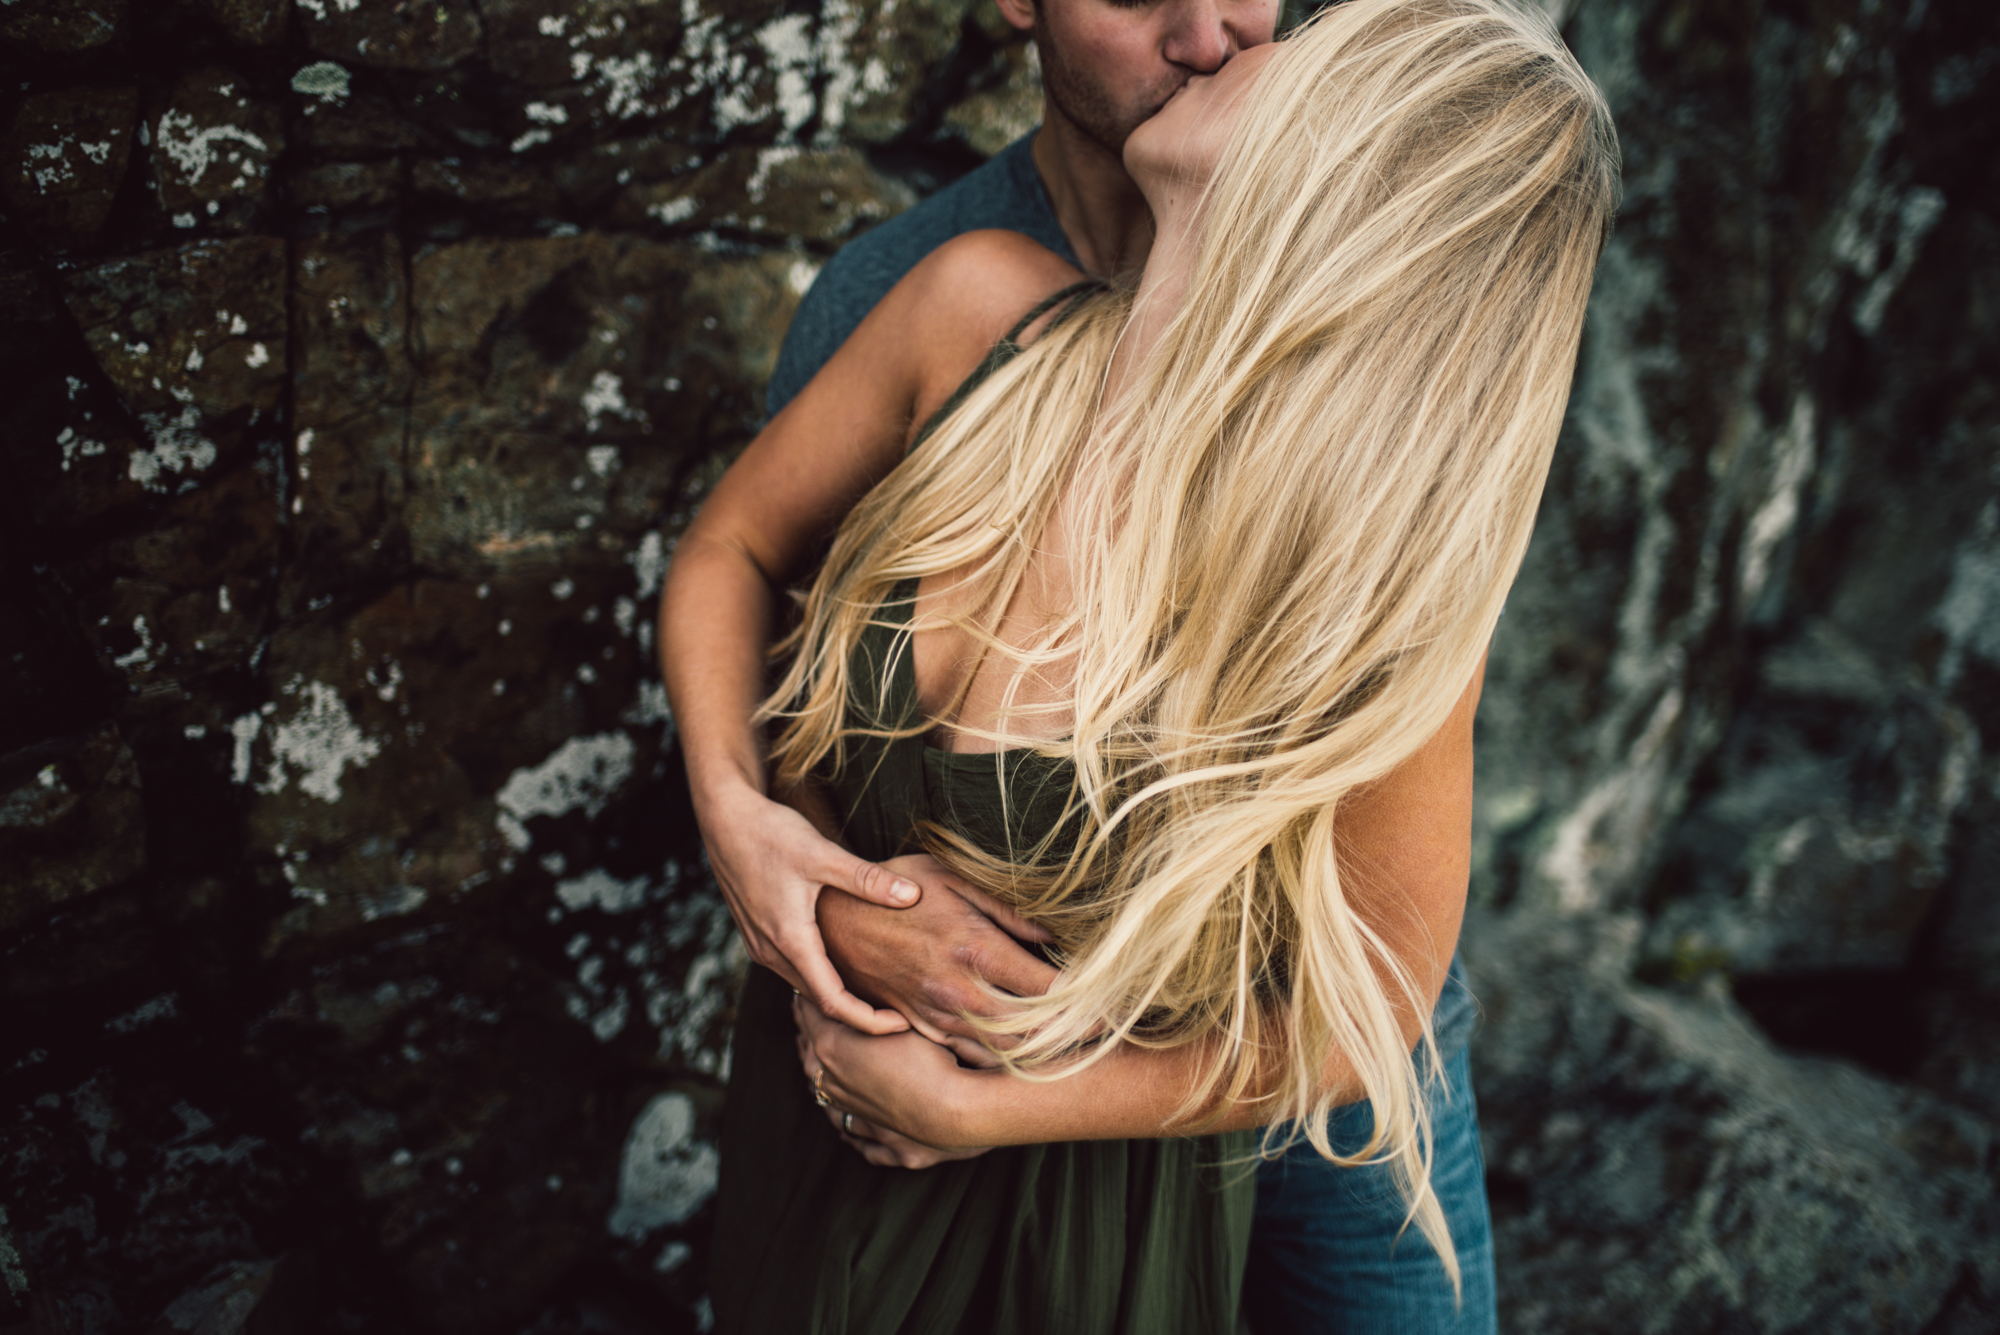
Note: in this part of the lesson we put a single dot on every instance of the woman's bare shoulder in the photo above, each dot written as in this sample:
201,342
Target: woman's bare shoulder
971,290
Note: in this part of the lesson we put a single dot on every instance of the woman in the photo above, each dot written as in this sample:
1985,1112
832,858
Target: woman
1167,633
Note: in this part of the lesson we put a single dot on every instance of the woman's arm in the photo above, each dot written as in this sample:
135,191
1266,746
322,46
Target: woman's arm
1405,851
754,536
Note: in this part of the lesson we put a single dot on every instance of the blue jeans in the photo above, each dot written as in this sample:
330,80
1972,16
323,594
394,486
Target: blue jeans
1325,1255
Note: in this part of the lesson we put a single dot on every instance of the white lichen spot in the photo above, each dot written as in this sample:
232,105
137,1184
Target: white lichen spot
1776,516
665,1174
650,708
800,276
626,83
649,563
546,113
183,220
529,139
610,1022
166,1006
551,26
1969,613
599,889
583,773
178,447
258,355
767,159
324,79
586,674
244,730
77,447
194,360
394,902
606,398
562,589
623,611
193,148
386,678
59,173
515,833
141,657
318,741
673,212
602,459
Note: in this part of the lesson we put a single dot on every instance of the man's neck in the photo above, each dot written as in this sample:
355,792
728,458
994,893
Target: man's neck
1100,210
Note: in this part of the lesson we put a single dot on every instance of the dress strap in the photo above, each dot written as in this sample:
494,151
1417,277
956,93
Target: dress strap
1007,349
1049,303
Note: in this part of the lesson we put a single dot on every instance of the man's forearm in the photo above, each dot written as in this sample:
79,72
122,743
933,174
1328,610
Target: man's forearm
715,626
1132,1093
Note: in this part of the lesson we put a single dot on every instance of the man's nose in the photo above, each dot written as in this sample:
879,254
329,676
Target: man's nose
1200,35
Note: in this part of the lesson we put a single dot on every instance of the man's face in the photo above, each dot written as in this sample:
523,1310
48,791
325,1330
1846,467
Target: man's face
1107,65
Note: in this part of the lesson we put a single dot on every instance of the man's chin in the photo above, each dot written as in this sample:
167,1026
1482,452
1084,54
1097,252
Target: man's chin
1155,107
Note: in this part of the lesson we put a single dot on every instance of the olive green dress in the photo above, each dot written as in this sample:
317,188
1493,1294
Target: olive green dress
1108,1237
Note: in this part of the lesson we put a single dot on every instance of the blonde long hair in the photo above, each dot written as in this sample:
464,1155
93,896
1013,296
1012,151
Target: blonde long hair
1296,534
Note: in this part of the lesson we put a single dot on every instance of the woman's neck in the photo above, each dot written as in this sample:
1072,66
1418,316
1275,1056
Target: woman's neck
1162,285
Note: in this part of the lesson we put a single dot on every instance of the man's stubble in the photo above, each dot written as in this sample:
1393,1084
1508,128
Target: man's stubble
1083,100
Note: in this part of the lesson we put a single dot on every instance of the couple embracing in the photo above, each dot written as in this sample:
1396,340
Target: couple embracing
1102,840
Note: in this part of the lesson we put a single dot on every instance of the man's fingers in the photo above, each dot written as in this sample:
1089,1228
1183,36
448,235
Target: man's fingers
876,884
1007,966
1008,921
821,983
970,1053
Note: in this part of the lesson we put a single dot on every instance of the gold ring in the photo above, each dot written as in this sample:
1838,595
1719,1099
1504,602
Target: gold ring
819,1094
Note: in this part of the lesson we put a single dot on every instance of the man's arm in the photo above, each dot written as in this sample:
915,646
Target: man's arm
1405,852
791,486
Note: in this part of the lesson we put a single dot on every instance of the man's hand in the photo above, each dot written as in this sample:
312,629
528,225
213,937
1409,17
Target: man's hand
927,961
773,865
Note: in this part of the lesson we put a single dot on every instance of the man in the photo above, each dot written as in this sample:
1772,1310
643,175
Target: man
1325,1251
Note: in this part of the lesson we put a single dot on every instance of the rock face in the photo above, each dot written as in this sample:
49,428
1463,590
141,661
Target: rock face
361,967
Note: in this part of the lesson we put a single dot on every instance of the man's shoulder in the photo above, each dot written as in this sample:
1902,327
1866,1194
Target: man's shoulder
997,194
1004,193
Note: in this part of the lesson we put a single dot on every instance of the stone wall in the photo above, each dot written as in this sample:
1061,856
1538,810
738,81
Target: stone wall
366,356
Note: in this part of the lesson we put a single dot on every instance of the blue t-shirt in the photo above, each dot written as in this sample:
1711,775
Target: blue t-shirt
1006,193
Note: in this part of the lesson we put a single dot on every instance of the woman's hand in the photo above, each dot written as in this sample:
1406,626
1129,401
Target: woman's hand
772,865
905,1093
878,1144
